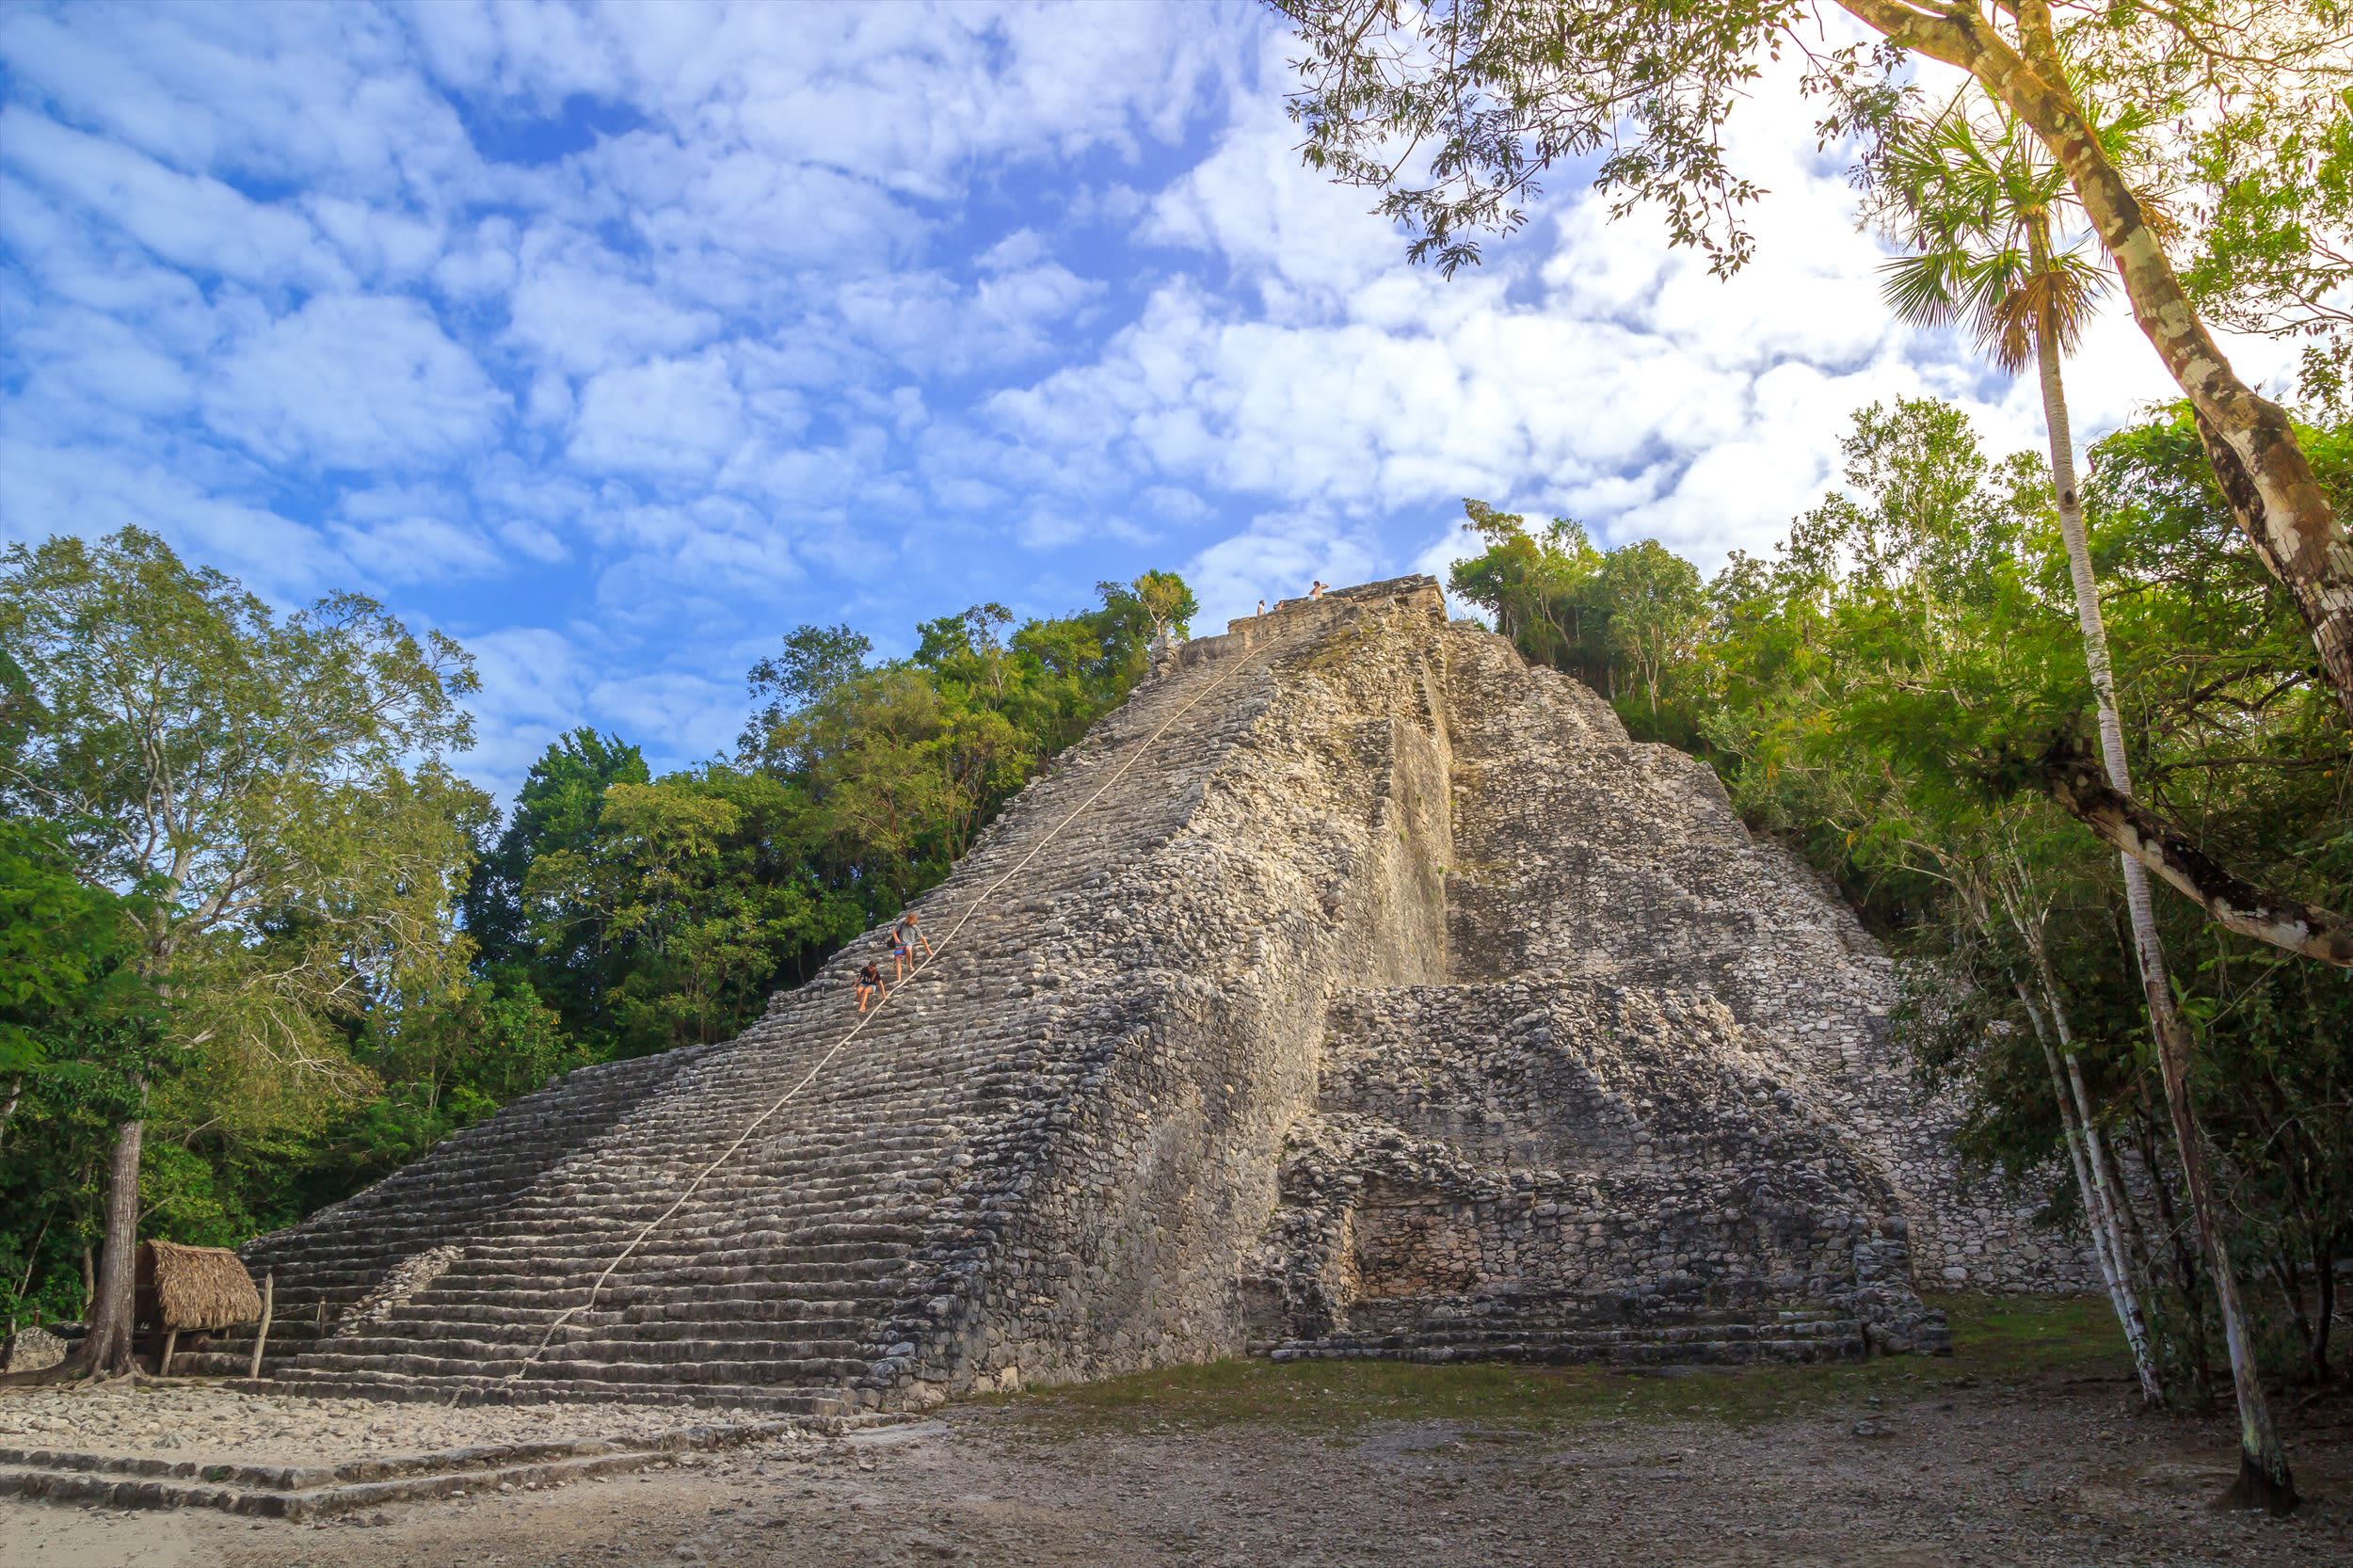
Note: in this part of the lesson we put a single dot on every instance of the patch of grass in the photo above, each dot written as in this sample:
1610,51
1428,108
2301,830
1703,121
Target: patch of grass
1998,1339
2023,1336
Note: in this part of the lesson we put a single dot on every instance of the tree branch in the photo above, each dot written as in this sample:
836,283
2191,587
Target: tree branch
2073,778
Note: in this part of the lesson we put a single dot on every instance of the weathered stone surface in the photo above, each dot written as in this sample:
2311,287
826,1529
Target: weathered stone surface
1353,989
31,1349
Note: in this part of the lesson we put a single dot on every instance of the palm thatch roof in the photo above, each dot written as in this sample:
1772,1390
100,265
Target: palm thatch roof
194,1288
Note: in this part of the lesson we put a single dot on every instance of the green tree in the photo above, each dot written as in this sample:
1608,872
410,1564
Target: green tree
690,884
1981,204
77,1030
1167,601
2267,188
556,810
1655,611
813,661
275,789
1454,110
1542,591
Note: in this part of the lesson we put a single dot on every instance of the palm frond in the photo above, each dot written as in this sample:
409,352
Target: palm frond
1924,289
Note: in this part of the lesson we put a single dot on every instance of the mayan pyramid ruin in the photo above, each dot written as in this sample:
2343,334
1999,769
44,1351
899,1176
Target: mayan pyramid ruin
1353,989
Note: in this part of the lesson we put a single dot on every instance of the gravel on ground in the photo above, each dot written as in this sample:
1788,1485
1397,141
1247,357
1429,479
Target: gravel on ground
203,1424
2052,1471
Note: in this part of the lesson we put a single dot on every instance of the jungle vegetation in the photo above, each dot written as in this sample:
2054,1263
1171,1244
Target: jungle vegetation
2030,154
261,943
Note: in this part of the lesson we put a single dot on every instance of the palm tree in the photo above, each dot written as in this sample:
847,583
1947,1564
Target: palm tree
1980,200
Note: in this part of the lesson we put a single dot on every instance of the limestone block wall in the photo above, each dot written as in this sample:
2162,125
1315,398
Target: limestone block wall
1598,857
1539,1164
1353,984
1109,1233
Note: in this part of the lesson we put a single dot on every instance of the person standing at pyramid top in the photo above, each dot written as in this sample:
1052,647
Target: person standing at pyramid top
1315,589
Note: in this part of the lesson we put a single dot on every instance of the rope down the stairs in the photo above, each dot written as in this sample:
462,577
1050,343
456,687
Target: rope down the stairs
940,947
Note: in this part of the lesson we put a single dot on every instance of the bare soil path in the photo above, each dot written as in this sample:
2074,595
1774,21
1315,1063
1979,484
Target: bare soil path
2024,1450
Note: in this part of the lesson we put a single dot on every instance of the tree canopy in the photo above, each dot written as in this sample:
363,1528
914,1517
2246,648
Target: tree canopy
247,907
1878,693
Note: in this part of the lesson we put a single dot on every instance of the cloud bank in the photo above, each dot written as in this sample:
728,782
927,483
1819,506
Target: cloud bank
617,340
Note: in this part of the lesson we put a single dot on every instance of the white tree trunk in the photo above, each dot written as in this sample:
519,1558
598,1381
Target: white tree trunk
2107,1249
2264,1473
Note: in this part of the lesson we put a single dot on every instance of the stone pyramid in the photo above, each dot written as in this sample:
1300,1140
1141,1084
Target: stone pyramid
1353,989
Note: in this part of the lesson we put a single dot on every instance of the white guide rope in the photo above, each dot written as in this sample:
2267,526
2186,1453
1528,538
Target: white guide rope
1240,659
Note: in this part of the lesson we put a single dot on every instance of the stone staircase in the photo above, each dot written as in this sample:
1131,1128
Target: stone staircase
834,1260
1228,1043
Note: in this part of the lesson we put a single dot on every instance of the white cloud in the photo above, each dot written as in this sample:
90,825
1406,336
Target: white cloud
353,381
49,488
382,244
403,534
101,366
574,308
482,265
694,714
535,687
286,94
927,322
673,418
191,221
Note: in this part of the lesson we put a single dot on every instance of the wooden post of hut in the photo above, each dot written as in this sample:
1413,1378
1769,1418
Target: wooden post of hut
260,1336
200,1289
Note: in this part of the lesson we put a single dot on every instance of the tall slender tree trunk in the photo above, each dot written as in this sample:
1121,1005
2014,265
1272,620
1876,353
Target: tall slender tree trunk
2264,1480
2107,1241
2179,1241
2130,1246
106,1337
2109,1247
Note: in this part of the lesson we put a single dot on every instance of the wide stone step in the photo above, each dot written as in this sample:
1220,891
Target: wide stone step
758,1342
767,1310
1806,1340
620,1294
469,1390
660,1248
680,1361
763,1325
853,1212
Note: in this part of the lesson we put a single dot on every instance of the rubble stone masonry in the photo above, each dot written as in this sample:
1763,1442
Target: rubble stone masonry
1388,1000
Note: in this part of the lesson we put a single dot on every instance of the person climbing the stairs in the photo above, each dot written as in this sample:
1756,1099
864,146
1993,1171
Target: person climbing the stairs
868,982
902,939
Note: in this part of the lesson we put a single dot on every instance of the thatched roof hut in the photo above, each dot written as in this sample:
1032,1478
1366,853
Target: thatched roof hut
194,1288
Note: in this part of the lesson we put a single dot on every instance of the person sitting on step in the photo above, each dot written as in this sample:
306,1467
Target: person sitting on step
902,939
868,982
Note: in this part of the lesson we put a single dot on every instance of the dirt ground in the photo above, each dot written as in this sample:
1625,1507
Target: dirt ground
2009,1456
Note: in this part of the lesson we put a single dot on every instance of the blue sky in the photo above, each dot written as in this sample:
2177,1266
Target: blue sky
615,341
